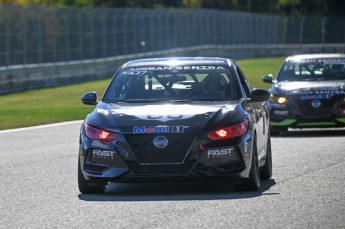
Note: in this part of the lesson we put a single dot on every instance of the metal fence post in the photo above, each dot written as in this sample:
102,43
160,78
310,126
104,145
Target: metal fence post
24,35
323,32
114,32
301,30
286,20
8,44
54,32
80,35
39,35
125,32
92,29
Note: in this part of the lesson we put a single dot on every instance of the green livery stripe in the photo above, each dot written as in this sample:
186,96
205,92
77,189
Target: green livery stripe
285,122
288,122
341,120
317,124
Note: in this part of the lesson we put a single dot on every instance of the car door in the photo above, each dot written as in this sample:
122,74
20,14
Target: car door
260,114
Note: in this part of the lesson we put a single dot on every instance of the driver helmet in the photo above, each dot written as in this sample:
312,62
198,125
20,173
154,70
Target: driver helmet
215,82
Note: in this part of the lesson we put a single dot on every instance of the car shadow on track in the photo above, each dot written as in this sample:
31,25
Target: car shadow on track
175,191
297,133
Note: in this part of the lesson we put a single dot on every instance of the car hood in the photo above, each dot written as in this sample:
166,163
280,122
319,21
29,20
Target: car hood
163,118
309,87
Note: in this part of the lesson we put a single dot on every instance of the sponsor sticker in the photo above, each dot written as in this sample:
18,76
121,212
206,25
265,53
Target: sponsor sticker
158,129
143,70
319,96
324,92
219,153
280,112
325,61
103,154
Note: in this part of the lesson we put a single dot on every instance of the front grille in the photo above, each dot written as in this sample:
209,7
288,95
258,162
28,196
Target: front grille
307,110
147,153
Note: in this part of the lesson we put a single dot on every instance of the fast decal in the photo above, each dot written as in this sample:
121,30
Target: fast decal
280,112
158,129
219,153
103,154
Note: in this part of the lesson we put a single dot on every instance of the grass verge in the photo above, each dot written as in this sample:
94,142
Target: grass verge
51,105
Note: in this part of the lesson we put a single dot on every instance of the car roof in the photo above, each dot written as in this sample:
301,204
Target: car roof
300,57
173,61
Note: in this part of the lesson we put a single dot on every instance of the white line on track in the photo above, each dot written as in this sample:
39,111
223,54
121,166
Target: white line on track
40,127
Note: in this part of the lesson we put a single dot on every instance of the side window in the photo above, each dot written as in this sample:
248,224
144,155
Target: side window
245,84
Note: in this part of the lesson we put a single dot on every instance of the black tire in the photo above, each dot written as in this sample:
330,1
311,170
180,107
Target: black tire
275,131
253,182
266,170
85,187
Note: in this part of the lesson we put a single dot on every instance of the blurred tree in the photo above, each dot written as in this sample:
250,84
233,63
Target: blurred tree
311,7
79,3
50,2
336,7
191,3
285,7
300,7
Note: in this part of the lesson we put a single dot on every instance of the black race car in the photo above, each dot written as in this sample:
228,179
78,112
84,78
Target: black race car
309,91
176,119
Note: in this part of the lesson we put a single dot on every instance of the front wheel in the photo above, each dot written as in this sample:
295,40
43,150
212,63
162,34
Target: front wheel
85,187
253,182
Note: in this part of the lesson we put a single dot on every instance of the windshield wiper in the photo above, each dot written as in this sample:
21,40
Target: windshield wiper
209,100
179,100
115,101
310,79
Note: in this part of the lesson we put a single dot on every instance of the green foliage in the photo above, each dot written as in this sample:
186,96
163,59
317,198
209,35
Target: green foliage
255,69
304,7
60,104
78,3
285,7
44,106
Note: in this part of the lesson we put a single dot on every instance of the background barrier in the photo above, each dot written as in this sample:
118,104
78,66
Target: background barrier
45,46
18,78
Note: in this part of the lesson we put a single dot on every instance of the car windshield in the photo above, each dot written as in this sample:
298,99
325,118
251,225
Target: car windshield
173,84
313,70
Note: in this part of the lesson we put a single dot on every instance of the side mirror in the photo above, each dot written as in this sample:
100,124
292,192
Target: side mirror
259,95
267,78
89,98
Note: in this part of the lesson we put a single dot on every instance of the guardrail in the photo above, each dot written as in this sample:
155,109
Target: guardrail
32,76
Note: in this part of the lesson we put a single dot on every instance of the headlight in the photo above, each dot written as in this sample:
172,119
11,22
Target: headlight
278,99
98,134
230,131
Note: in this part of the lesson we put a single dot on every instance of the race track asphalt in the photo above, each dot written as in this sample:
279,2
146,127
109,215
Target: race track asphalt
38,174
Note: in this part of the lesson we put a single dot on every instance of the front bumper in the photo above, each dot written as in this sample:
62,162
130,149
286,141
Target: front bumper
117,162
296,114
